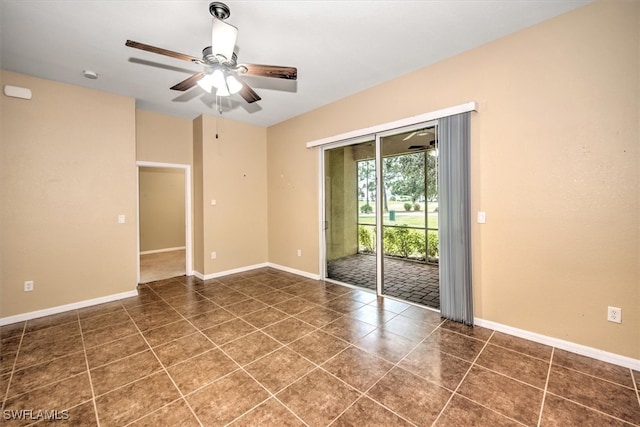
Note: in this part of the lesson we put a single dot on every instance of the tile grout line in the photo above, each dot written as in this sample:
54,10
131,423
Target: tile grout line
364,393
41,386
317,366
163,368
635,384
13,367
546,386
394,365
199,330
86,361
520,352
283,345
240,367
463,378
587,374
589,408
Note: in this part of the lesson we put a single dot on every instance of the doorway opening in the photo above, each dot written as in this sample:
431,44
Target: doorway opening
164,221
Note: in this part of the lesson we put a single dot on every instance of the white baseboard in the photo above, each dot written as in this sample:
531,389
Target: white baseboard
228,272
583,350
253,267
294,271
67,307
157,251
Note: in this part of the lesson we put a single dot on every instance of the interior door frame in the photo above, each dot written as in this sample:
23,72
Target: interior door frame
187,212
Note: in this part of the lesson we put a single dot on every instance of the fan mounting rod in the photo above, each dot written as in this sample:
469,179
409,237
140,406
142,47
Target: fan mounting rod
219,10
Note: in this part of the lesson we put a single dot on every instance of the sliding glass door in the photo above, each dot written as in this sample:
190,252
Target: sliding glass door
409,235
381,229
350,214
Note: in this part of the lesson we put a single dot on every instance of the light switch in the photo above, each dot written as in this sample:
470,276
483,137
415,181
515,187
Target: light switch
213,202
121,219
482,217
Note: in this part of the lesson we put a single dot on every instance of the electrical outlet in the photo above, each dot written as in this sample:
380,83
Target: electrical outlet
214,255
299,252
614,314
28,286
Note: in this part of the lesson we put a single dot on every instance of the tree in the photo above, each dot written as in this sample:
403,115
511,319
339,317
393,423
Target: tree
405,175
367,180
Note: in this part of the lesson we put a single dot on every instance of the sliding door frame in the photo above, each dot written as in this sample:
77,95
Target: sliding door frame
379,195
377,136
323,211
366,134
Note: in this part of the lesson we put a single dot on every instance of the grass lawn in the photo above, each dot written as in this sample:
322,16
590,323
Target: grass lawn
403,217
412,219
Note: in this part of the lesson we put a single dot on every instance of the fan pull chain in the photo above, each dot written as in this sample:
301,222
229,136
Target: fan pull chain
219,108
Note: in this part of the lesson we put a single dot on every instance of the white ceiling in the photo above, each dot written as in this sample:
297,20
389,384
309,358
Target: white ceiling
339,47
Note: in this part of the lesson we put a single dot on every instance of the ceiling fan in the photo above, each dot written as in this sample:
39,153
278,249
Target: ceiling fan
222,71
420,132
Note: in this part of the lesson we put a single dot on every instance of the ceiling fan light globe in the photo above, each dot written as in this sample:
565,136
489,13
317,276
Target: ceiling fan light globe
222,91
233,84
206,83
217,79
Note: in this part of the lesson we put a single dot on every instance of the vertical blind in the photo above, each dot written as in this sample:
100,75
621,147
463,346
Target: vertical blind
456,296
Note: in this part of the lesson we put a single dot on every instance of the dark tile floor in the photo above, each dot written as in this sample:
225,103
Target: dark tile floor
267,348
409,280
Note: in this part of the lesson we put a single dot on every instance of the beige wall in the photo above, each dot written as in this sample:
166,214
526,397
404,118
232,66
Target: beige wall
341,181
198,201
163,139
161,208
554,164
230,168
67,165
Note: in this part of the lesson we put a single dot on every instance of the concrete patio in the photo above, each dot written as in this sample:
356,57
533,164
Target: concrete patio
408,280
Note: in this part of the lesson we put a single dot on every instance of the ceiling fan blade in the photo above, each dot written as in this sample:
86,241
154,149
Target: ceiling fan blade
249,94
411,135
161,51
188,83
275,71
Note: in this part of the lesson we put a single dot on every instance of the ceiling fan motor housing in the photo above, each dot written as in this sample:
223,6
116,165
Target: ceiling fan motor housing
209,58
219,10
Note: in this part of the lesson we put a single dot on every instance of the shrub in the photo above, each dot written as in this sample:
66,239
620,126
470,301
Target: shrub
407,206
366,239
389,240
417,207
366,209
432,245
419,244
400,241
